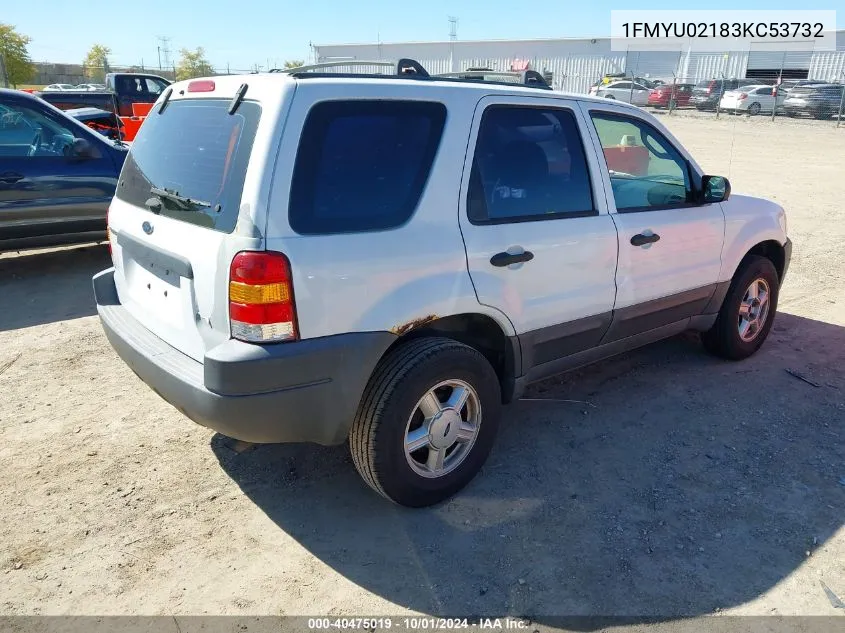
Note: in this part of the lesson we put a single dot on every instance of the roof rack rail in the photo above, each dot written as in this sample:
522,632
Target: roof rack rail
403,66
529,78
411,68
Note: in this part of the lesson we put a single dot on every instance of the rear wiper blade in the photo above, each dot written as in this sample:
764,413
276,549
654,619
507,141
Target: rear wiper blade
182,202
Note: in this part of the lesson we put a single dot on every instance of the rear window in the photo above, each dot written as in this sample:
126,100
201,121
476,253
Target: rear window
195,149
363,165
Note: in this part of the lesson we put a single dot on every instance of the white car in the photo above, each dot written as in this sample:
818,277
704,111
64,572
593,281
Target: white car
307,257
58,87
627,91
752,99
90,87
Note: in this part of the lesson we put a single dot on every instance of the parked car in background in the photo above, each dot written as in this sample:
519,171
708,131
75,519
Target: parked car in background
789,84
101,121
614,77
671,95
752,100
280,285
57,176
820,101
129,95
59,87
122,90
627,91
91,87
706,94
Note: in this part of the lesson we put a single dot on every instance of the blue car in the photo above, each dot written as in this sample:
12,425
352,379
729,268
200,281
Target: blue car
57,176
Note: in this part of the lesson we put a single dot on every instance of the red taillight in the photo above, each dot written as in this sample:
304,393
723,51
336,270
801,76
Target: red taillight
261,305
202,85
743,95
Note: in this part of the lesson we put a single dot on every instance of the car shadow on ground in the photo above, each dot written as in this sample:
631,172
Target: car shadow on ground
38,287
663,483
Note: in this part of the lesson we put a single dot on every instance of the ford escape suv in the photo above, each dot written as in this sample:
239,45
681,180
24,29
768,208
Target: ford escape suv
388,259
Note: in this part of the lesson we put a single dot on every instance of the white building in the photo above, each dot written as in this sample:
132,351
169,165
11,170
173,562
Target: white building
575,64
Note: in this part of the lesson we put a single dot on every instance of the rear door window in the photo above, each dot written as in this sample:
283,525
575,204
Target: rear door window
363,165
529,164
194,150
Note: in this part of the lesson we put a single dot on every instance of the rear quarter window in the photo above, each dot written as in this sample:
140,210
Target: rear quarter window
363,165
197,150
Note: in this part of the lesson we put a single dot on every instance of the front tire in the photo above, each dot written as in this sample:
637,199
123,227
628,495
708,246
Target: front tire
754,109
426,422
748,311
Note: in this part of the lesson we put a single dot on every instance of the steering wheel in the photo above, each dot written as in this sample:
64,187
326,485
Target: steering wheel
36,144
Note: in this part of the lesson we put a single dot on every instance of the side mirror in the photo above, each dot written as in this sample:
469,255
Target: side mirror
82,149
715,189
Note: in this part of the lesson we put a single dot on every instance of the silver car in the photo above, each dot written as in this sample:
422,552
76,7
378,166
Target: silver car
627,91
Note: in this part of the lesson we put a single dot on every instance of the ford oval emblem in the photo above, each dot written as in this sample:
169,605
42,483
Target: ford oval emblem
148,228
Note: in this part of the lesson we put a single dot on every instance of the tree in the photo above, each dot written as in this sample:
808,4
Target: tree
96,62
294,63
15,64
193,64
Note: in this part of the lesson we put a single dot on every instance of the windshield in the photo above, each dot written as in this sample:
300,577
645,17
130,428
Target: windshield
190,161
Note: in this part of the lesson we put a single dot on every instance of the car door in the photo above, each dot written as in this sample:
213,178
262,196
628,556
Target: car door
639,95
621,90
764,97
540,245
44,189
670,245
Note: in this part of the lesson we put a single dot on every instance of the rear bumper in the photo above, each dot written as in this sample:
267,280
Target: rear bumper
306,391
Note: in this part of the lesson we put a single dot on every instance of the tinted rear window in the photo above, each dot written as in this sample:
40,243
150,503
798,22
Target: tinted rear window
195,149
362,165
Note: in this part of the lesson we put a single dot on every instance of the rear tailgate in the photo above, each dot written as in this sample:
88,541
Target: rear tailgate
191,195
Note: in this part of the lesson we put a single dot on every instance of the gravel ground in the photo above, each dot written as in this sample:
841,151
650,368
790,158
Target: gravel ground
679,485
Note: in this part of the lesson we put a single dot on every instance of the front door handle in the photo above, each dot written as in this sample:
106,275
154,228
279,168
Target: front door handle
506,259
10,178
641,240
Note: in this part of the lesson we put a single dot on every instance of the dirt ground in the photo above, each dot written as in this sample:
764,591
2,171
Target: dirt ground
685,486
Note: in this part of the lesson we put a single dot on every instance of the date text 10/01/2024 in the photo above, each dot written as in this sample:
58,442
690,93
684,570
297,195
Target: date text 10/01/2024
417,623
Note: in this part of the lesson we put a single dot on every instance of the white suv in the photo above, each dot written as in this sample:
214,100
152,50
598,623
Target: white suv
323,257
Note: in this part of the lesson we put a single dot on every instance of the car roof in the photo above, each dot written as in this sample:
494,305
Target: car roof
348,81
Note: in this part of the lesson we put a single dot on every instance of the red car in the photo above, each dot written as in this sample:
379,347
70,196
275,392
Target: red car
662,95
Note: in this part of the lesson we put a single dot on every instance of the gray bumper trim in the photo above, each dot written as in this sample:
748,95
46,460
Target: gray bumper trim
306,391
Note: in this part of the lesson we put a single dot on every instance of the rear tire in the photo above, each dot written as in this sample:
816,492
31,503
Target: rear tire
395,415
737,334
610,97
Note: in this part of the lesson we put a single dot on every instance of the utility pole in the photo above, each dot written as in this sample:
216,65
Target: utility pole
775,90
453,36
163,51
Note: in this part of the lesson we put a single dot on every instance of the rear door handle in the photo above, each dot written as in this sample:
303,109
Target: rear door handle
641,240
506,259
10,178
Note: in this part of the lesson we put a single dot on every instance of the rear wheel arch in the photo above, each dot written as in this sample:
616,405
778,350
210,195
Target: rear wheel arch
482,333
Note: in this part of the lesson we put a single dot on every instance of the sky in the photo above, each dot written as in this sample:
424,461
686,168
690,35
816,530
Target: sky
243,33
